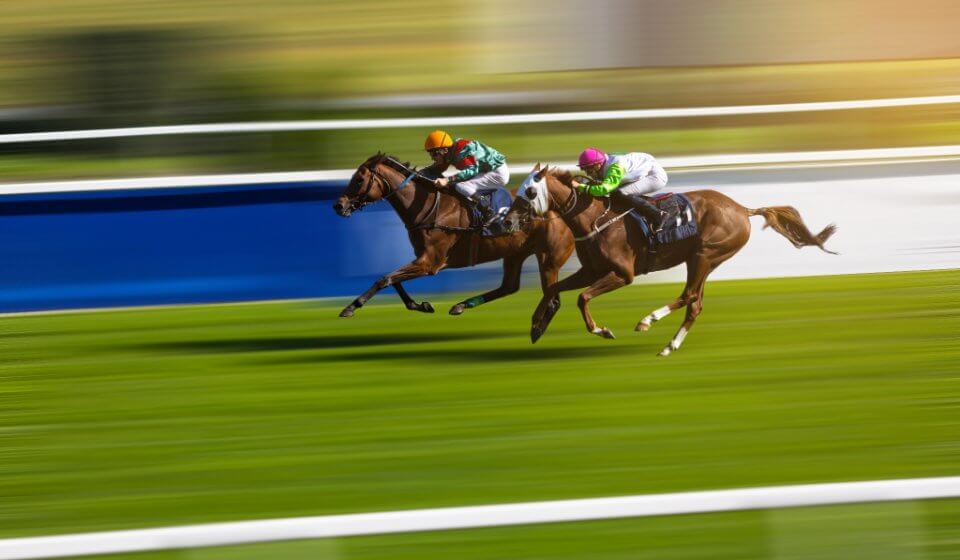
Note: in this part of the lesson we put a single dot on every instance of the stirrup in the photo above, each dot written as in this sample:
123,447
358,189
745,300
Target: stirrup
663,222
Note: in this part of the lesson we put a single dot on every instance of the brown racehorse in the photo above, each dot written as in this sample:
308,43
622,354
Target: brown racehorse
612,251
438,224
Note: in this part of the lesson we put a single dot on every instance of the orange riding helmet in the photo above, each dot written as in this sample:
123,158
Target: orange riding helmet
437,139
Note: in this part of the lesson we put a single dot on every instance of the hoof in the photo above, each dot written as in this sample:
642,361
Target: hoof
643,327
424,307
535,334
604,332
347,312
458,309
665,352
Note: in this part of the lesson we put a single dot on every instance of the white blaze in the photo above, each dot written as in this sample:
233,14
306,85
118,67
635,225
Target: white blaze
539,203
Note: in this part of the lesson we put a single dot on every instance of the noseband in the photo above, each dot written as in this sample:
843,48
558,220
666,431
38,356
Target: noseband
363,197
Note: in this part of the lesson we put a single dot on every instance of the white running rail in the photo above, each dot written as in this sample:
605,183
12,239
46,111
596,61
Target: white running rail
678,163
245,532
355,124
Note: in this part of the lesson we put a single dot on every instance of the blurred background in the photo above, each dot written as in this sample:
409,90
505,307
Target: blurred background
80,64
134,418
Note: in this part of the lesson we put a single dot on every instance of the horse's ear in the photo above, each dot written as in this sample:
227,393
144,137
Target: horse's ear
542,173
536,167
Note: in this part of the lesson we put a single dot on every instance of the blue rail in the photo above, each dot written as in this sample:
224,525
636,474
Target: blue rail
199,245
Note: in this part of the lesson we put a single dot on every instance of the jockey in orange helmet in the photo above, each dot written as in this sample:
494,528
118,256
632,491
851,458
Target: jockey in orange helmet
481,168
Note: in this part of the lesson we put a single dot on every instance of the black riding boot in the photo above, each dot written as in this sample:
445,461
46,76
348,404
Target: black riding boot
487,215
648,210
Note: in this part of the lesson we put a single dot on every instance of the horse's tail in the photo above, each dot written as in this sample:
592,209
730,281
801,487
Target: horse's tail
786,221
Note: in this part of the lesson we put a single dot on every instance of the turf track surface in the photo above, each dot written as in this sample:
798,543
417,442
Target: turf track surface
197,414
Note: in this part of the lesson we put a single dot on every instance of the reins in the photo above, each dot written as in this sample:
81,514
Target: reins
594,228
385,186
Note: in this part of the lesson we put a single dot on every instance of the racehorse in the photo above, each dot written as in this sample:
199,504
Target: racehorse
439,227
612,253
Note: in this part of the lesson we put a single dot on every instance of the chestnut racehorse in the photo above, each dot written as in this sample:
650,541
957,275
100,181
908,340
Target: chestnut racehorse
612,250
438,225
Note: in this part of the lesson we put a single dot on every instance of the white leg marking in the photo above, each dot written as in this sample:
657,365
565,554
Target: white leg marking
678,340
660,313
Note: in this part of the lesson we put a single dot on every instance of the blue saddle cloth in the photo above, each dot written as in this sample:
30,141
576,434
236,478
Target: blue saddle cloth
499,201
680,223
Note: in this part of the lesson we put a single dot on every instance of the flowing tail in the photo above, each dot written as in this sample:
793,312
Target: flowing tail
788,223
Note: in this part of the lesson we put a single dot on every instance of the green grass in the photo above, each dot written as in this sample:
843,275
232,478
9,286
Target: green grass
198,414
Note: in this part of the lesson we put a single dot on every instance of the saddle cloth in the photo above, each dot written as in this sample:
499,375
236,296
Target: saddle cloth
680,223
499,201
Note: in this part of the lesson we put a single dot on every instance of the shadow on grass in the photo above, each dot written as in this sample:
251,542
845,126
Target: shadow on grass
291,343
483,354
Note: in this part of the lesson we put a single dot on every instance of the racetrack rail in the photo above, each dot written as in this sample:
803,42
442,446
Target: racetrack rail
575,116
381,523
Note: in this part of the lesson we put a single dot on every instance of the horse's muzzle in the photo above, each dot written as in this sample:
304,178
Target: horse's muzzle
513,223
342,210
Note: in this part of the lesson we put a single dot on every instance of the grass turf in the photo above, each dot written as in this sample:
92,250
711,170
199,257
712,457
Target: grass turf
198,414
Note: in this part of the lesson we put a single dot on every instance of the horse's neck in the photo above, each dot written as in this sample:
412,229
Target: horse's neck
410,202
584,213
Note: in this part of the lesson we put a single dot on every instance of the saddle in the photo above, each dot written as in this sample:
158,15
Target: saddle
679,224
498,202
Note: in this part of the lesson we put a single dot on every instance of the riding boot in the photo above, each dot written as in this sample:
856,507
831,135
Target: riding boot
487,215
648,210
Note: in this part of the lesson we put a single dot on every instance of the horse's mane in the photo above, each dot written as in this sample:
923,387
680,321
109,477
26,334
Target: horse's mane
562,175
386,159
393,163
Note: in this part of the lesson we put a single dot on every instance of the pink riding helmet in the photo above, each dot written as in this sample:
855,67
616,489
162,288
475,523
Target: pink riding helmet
591,156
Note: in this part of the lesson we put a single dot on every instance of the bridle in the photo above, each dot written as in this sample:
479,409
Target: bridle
363,197
568,206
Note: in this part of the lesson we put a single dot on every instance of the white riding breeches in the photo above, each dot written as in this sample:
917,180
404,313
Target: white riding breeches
648,184
488,181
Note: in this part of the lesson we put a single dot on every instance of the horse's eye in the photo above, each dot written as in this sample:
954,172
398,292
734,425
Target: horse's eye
531,193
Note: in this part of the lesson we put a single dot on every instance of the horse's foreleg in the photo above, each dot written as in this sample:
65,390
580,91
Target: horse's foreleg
409,271
512,267
609,282
559,245
424,307
550,302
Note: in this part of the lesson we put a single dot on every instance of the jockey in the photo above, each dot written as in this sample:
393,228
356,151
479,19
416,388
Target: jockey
481,168
631,175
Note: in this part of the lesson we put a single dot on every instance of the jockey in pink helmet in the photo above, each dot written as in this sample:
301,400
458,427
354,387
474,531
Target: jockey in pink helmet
628,175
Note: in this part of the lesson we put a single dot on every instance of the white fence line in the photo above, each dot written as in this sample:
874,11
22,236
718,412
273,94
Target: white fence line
356,124
879,155
245,532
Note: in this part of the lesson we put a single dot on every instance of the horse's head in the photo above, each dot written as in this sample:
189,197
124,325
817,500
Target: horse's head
544,190
366,186
533,199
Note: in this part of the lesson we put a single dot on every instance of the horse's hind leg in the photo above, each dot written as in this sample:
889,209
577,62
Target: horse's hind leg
423,307
698,268
512,267
657,314
611,281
